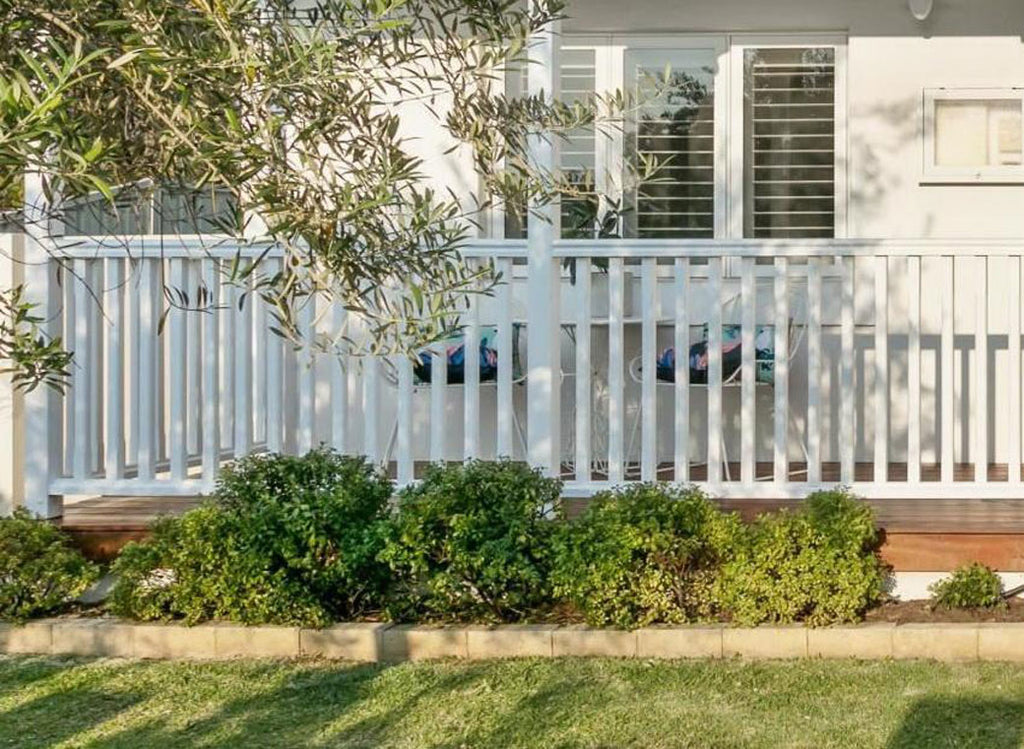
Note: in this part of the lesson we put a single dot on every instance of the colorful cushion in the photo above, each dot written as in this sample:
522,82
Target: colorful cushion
455,349
732,356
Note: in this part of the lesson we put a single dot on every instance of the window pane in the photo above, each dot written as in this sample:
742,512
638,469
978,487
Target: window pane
577,150
789,142
977,133
673,126
578,154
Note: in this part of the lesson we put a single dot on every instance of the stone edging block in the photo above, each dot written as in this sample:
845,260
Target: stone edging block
373,642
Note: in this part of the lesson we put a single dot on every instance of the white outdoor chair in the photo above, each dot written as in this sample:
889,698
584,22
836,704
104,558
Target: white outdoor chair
733,380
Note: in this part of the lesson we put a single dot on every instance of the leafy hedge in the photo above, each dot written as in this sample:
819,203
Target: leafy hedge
642,555
285,540
818,564
472,542
972,586
321,538
40,573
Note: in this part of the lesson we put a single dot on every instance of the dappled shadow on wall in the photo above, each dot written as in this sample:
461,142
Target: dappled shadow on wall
965,722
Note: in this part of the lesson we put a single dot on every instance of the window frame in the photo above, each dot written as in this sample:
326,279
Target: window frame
729,49
932,173
738,45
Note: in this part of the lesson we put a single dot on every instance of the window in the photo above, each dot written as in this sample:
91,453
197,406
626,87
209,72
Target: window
789,153
974,135
674,128
747,133
577,73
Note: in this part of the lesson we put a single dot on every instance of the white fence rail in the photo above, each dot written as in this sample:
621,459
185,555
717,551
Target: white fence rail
896,369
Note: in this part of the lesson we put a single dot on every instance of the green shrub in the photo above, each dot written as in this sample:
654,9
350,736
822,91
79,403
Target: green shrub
972,586
471,542
39,571
818,564
287,540
642,555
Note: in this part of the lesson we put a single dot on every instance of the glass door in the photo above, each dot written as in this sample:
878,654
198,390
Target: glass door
670,144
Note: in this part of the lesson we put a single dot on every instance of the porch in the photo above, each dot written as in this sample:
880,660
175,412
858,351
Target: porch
895,369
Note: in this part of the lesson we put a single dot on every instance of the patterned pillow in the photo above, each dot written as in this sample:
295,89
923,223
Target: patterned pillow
732,356
455,349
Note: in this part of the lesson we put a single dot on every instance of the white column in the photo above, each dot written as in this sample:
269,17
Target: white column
543,287
42,405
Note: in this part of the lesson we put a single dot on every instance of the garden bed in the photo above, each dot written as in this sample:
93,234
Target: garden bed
922,612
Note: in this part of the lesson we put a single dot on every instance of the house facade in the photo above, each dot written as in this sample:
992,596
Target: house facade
822,285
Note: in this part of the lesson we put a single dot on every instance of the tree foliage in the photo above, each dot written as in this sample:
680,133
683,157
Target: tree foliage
313,120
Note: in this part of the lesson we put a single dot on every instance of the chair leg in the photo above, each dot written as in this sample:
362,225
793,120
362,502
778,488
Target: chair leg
633,432
725,456
392,440
520,432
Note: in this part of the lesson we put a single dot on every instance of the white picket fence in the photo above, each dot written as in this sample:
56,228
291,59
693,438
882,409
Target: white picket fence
897,371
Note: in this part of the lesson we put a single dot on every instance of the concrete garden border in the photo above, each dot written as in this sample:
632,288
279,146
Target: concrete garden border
386,643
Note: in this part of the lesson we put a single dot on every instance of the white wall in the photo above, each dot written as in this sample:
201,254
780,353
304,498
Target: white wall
891,59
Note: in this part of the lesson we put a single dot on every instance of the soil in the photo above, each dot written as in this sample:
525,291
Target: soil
914,612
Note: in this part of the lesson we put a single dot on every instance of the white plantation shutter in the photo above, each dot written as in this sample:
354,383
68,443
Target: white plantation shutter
674,126
578,148
789,142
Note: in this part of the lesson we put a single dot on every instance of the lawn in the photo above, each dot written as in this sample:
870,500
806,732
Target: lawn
47,702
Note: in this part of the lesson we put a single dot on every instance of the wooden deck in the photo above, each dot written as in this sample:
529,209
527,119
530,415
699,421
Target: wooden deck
920,534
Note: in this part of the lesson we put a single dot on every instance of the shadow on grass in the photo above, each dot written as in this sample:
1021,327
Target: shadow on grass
965,722
299,711
32,720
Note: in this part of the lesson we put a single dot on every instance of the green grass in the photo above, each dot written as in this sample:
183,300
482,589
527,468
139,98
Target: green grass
47,702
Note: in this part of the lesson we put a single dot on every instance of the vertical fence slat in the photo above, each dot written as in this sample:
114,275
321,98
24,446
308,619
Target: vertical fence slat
681,344
813,371
946,366
67,330
275,376
195,359
132,270
847,434
980,411
81,387
243,368
147,340
404,425
583,365
471,388
881,461
178,374
259,365
95,458
211,371
438,393
914,370
371,408
505,405
714,370
339,382
748,371
307,375
1014,400
648,398
616,383
227,356
781,437
114,354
